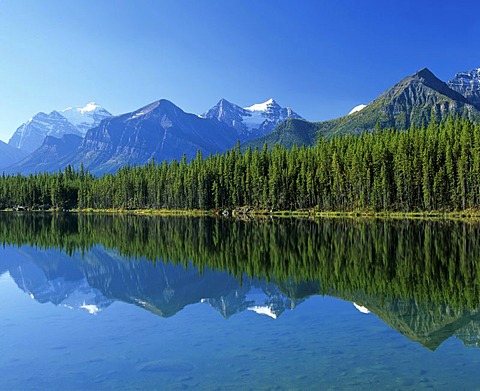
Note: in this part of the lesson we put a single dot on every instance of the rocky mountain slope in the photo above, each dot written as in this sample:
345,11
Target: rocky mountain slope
53,154
467,84
30,135
9,155
409,102
253,121
160,131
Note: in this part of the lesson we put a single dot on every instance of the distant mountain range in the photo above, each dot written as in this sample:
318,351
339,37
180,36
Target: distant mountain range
73,120
162,131
54,154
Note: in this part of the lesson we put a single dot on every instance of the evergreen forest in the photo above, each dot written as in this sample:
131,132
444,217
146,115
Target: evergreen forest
432,168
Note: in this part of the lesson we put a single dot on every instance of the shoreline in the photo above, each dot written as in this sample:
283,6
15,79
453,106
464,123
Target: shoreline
262,213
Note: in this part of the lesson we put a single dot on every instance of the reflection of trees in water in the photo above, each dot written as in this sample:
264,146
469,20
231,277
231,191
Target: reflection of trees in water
434,261
420,277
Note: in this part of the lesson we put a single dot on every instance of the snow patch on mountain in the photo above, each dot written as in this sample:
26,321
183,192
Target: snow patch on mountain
261,106
468,84
86,117
356,109
263,310
255,119
251,121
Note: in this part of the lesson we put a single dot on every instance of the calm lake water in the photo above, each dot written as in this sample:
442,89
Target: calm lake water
128,302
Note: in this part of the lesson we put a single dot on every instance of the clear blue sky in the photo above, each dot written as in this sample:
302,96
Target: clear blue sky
319,57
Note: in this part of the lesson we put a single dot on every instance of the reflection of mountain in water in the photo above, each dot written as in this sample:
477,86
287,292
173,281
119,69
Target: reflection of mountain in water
470,334
425,323
100,277
59,283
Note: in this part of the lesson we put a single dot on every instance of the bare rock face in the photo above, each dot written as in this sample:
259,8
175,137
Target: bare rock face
160,131
467,84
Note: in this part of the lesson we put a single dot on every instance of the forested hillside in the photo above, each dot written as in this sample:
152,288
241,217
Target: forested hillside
426,169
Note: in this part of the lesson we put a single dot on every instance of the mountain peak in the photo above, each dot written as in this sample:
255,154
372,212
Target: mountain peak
426,77
223,101
88,108
91,106
224,104
425,73
421,89
55,114
158,105
252,121
85,117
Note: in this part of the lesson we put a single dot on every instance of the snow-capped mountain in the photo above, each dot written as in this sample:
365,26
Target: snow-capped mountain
252,121
160,131
87,117
29,136
467,84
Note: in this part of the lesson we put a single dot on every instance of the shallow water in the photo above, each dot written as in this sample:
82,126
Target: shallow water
90,318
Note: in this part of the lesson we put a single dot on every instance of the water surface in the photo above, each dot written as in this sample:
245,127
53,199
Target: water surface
127,302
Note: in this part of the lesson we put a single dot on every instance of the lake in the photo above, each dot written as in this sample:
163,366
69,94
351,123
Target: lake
134,302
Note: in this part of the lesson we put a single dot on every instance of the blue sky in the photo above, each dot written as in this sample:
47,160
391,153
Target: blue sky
319,57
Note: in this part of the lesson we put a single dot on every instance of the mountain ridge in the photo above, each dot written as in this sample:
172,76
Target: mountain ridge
159,130
252,121
411,101
163,131
74,120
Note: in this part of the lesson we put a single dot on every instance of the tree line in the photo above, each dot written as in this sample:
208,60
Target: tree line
432,168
